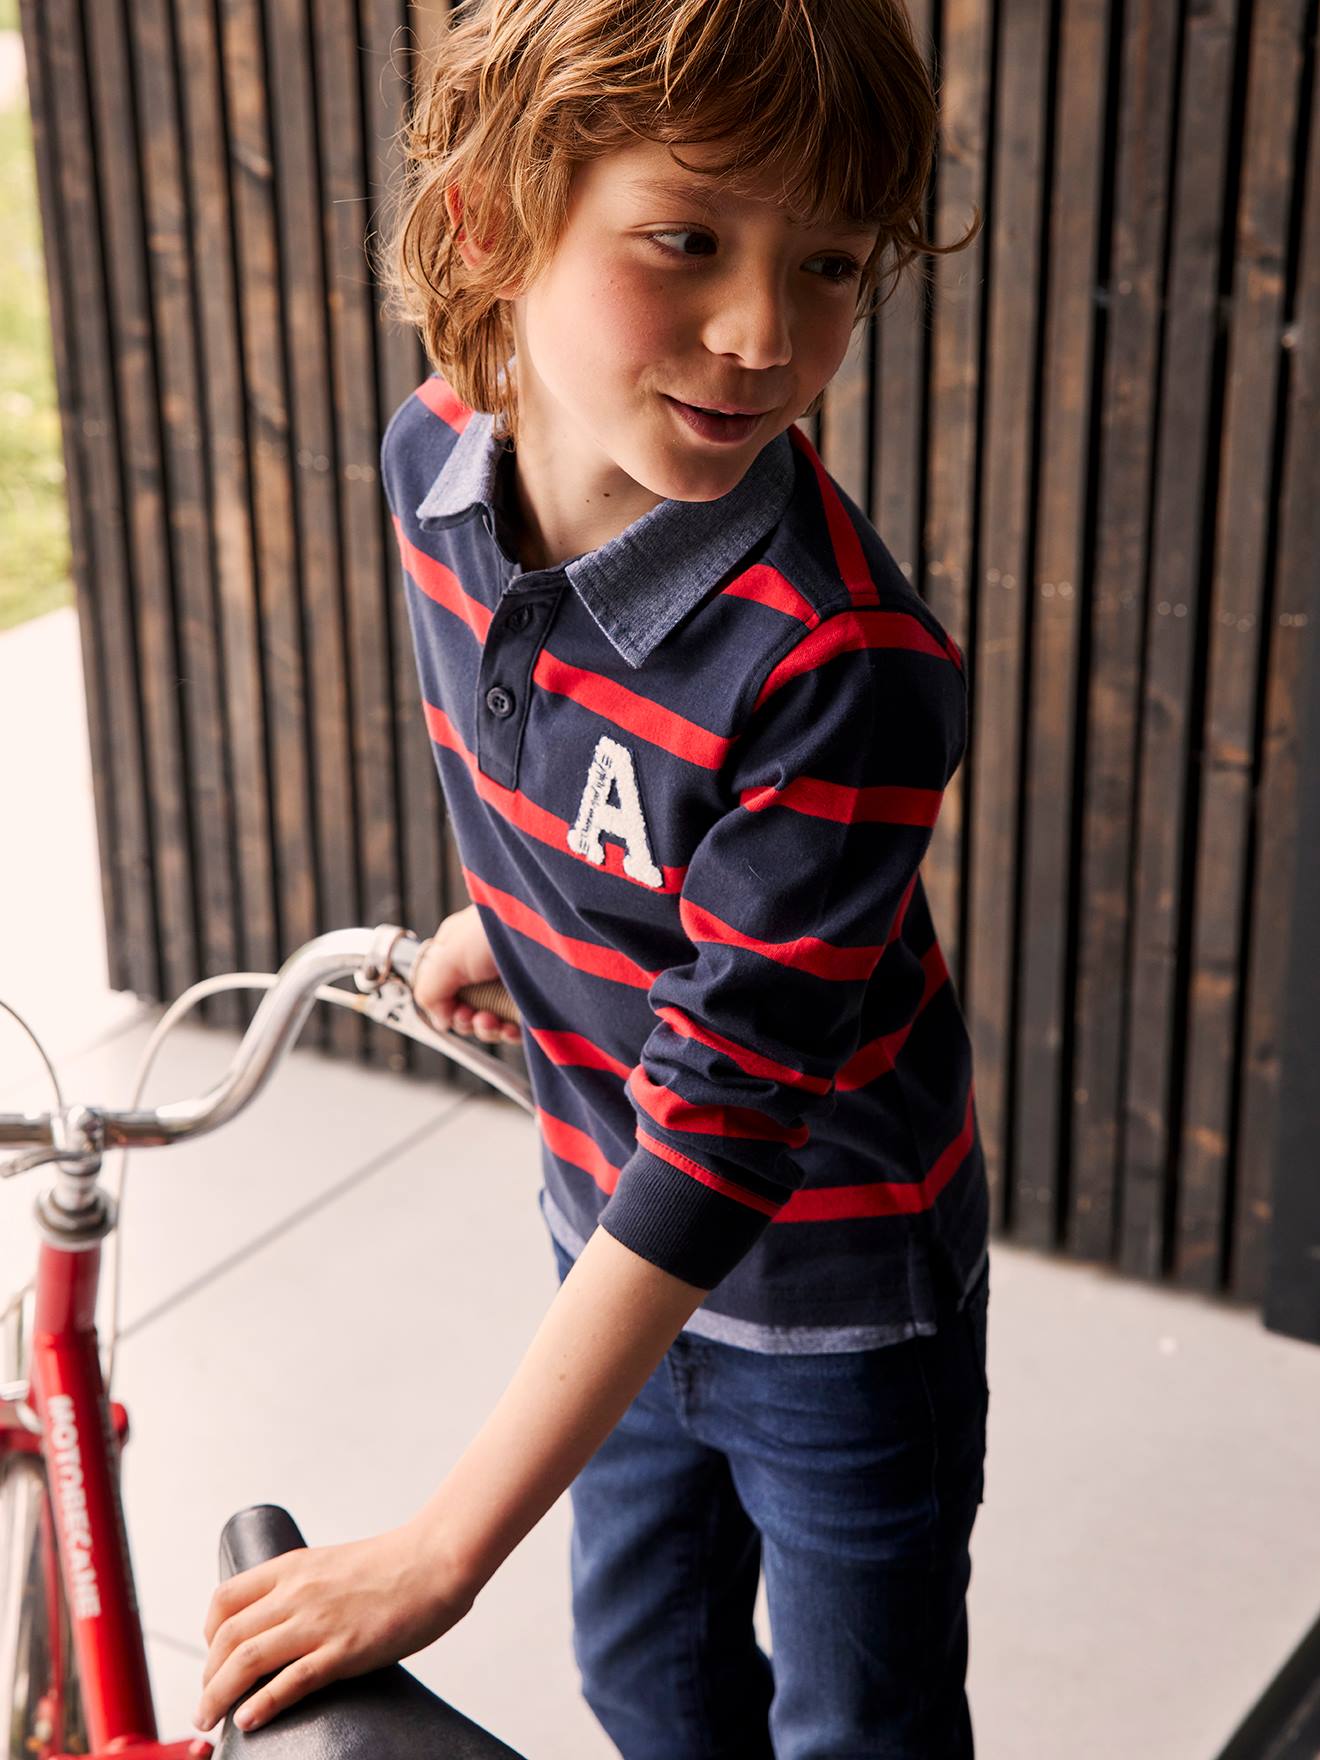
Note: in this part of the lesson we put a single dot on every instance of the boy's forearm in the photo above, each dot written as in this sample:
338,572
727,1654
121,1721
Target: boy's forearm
611,1321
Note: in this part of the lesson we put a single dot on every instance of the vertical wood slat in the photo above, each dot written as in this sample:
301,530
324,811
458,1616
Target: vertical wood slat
400,368
897,414
900,335
999,653
846,416
267,440
315,574
351,314
1271,1132
1109,401
1291,1283
944,577
898,365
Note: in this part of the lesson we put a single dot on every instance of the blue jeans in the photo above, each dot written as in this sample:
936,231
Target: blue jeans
853,1480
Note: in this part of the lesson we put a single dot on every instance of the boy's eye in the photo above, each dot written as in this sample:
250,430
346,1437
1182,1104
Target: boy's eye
845,267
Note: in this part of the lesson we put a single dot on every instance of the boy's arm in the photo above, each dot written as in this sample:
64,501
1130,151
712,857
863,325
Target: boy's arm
318,1614
612,1320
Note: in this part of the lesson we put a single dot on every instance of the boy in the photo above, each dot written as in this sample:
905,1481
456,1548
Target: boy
693,728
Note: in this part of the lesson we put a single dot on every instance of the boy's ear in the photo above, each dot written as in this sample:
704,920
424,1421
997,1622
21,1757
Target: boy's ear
471,250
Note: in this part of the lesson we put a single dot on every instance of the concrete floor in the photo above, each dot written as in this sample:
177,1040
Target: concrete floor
315,1314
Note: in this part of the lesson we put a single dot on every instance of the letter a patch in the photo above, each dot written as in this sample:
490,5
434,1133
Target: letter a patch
612,772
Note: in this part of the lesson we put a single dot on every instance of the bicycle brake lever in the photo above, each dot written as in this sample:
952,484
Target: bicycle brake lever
392,1005
30,1158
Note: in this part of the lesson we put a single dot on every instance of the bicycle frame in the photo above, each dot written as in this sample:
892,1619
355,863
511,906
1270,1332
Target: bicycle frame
80,1436
63,1414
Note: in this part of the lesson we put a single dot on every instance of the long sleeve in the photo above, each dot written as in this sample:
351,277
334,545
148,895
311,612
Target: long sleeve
790,901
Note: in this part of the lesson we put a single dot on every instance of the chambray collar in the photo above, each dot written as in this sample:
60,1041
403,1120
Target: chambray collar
639,584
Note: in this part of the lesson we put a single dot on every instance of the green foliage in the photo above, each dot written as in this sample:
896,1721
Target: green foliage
34,527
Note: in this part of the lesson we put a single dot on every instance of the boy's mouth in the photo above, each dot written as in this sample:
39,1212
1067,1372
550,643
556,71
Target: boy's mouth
712,425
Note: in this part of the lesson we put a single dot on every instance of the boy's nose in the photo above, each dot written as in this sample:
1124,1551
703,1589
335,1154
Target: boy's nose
752,322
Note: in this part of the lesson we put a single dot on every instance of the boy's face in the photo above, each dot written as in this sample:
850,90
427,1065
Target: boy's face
664,289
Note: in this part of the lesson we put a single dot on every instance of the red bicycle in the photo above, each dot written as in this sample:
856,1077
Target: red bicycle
73,1670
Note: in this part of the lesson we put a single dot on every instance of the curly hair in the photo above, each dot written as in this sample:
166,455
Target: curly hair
832,97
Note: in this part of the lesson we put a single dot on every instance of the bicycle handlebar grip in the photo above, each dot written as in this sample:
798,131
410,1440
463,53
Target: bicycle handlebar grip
263,1531
490,995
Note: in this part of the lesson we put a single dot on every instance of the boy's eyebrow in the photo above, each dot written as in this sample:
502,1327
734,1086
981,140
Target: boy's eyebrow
681,190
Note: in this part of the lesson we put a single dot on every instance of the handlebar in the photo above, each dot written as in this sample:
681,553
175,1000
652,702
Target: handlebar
379,960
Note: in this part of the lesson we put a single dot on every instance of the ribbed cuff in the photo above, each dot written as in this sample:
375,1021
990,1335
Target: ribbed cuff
670,1218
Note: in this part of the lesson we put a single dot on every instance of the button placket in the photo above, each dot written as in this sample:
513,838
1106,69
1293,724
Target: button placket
504,682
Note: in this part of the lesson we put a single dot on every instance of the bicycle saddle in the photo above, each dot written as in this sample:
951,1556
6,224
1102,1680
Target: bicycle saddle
387,1714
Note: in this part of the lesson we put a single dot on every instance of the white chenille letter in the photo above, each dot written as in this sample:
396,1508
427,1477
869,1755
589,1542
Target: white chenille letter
612,769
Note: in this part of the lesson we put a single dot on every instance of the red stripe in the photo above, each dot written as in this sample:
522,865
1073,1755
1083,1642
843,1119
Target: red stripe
879,1055
583,956
677,1114
750,1061
806,953
441,399
637,714
568,1143
442,585
849,556
725,1187
886,1198
851,632
768,587
576,1051
534,820
883,804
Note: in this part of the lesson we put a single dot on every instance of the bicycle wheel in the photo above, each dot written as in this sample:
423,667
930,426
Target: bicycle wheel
40,1702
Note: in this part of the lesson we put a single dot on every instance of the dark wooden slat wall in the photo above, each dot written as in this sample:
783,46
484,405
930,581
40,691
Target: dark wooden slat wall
1089,441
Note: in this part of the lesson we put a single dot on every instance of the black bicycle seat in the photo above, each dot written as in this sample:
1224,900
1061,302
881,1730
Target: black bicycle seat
387,1714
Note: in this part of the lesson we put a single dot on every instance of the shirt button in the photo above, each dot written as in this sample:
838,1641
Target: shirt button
499,701
520,617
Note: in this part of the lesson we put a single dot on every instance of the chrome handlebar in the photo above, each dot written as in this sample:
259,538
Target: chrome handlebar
379,960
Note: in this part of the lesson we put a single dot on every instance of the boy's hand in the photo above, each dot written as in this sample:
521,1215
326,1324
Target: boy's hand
458,954
322,1613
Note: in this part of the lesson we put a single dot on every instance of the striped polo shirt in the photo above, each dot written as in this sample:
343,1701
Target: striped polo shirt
691,776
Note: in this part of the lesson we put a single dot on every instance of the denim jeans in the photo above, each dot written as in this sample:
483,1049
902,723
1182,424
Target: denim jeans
852,1479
